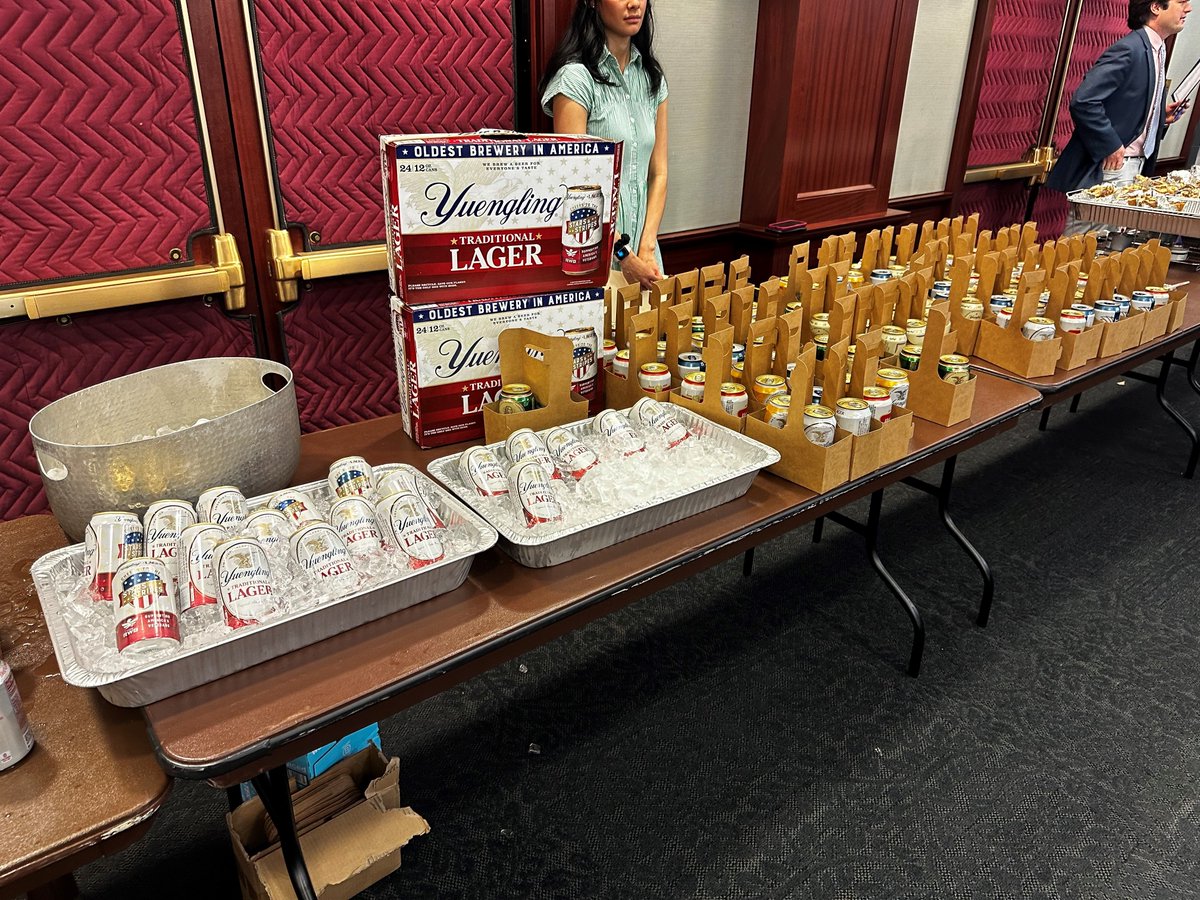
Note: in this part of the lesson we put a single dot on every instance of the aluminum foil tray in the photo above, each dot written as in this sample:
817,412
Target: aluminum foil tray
612,526
241,649
1091,209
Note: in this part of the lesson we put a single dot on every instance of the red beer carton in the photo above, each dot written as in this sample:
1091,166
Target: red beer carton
497,214
448,356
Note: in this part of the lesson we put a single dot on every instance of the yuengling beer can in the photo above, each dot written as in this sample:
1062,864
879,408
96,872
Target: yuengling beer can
319,551
354,519
165,521
410,528
244,580
534,493
144,612
351,476
111,539
224,506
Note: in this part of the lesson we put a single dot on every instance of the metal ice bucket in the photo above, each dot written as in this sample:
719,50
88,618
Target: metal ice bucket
125,443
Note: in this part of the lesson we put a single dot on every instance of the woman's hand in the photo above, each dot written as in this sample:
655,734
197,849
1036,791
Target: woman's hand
641,268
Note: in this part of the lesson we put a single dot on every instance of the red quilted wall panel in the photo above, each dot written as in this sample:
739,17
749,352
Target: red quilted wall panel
1002,203
339,75
99,139
1101,23
340,348
43,360
1020,58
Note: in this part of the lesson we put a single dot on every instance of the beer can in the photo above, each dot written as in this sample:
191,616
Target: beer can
819,323
894,339
584,366
738,353
1160,294
999,302
534,493
737,372
1107,311
658,418
196,545
910,357
620,364
1123,302
879,276
971,308
270,528
582,229
689,362
853,415
940,289
653,377
821,341
660,349
693,386
408,527
524,444
296,506
1143,300
407,481
351,476
818,392
320,553
608,351
244,580
1088,313
778,407
111,538
698,324
895,381
16,739
1037,328
880,401
145,613
164,523
734,399
224,506
819,424
1072,321
698,341
793,306
914,329
766,385
480,468
620,433
521,393
1003,316
954,368
570,454
353,518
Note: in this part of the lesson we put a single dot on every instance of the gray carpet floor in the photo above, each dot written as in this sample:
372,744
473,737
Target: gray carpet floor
757,738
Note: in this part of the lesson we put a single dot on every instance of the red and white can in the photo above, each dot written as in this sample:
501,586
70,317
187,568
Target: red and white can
406,481
351,476
16,740
585,360
196,545
353,518
164,524
480,468
614,426
582,229
570,454
224,506
111,539
657,417
271,528
244,581
296,506
145,612
319,551
525,445
534,493
409,527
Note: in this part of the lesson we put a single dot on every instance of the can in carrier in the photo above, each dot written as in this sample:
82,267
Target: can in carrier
954,368
410,528
479,468
16,740
584,368
534,494
820,427
224,506
111,539
778,406
521,393
196,546
319,551
895,382
582,229
880,402
693,386
244,580
353,518
144,611
853,415
351,476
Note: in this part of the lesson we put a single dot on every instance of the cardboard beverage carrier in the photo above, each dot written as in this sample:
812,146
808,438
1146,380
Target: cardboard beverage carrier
717,353
1008,347
886,442
544,363
351,829
929,396
498,214
642,331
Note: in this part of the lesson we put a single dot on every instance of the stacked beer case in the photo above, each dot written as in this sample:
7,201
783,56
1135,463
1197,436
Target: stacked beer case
485,232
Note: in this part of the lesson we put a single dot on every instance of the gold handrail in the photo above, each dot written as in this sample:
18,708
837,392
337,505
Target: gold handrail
1036,169
287,266
223,276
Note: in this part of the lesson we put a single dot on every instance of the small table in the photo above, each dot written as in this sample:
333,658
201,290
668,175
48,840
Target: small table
247,725
91,785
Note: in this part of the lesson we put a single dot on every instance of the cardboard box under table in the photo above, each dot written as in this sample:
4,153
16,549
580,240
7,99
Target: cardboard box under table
351,827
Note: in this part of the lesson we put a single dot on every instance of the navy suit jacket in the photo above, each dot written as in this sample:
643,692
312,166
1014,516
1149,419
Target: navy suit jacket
1109,111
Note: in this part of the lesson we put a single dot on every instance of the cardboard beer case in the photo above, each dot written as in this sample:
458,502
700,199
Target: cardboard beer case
448,355
498,214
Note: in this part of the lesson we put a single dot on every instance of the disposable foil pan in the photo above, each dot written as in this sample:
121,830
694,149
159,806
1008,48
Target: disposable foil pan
244,648
611,526
1186,223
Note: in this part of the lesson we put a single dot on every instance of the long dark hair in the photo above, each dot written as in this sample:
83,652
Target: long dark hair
585,41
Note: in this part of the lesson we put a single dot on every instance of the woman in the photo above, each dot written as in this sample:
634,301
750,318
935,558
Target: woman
604,80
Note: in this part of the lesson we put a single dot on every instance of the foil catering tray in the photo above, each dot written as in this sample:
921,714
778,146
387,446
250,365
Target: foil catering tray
247,647
1092,209
611,526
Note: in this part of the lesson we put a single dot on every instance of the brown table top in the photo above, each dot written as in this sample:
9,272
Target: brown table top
252,720
1092,373
92,776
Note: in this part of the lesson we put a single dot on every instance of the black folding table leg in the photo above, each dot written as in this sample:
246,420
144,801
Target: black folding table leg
1191,367
989,583
1045,419
748,563
1075,401
233,795
914,614
1160,388
818,529
272,787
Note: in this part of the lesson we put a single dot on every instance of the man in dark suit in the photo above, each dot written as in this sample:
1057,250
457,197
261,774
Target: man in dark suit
1120,109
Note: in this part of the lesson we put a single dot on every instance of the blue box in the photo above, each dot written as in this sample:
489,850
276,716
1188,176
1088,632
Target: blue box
304,769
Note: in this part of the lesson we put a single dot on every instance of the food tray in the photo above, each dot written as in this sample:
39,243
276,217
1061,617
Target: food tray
1093,210
241,649
613,526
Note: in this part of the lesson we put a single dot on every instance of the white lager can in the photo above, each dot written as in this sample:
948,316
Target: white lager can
657,417
243,576
271,528
819,424
351,476
534,493
145,613
407,481
614,426
410,528
319,551
570,454
111,539
353,518
524,445
16,740
196,546
480,469
165,521
296,506
224,506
